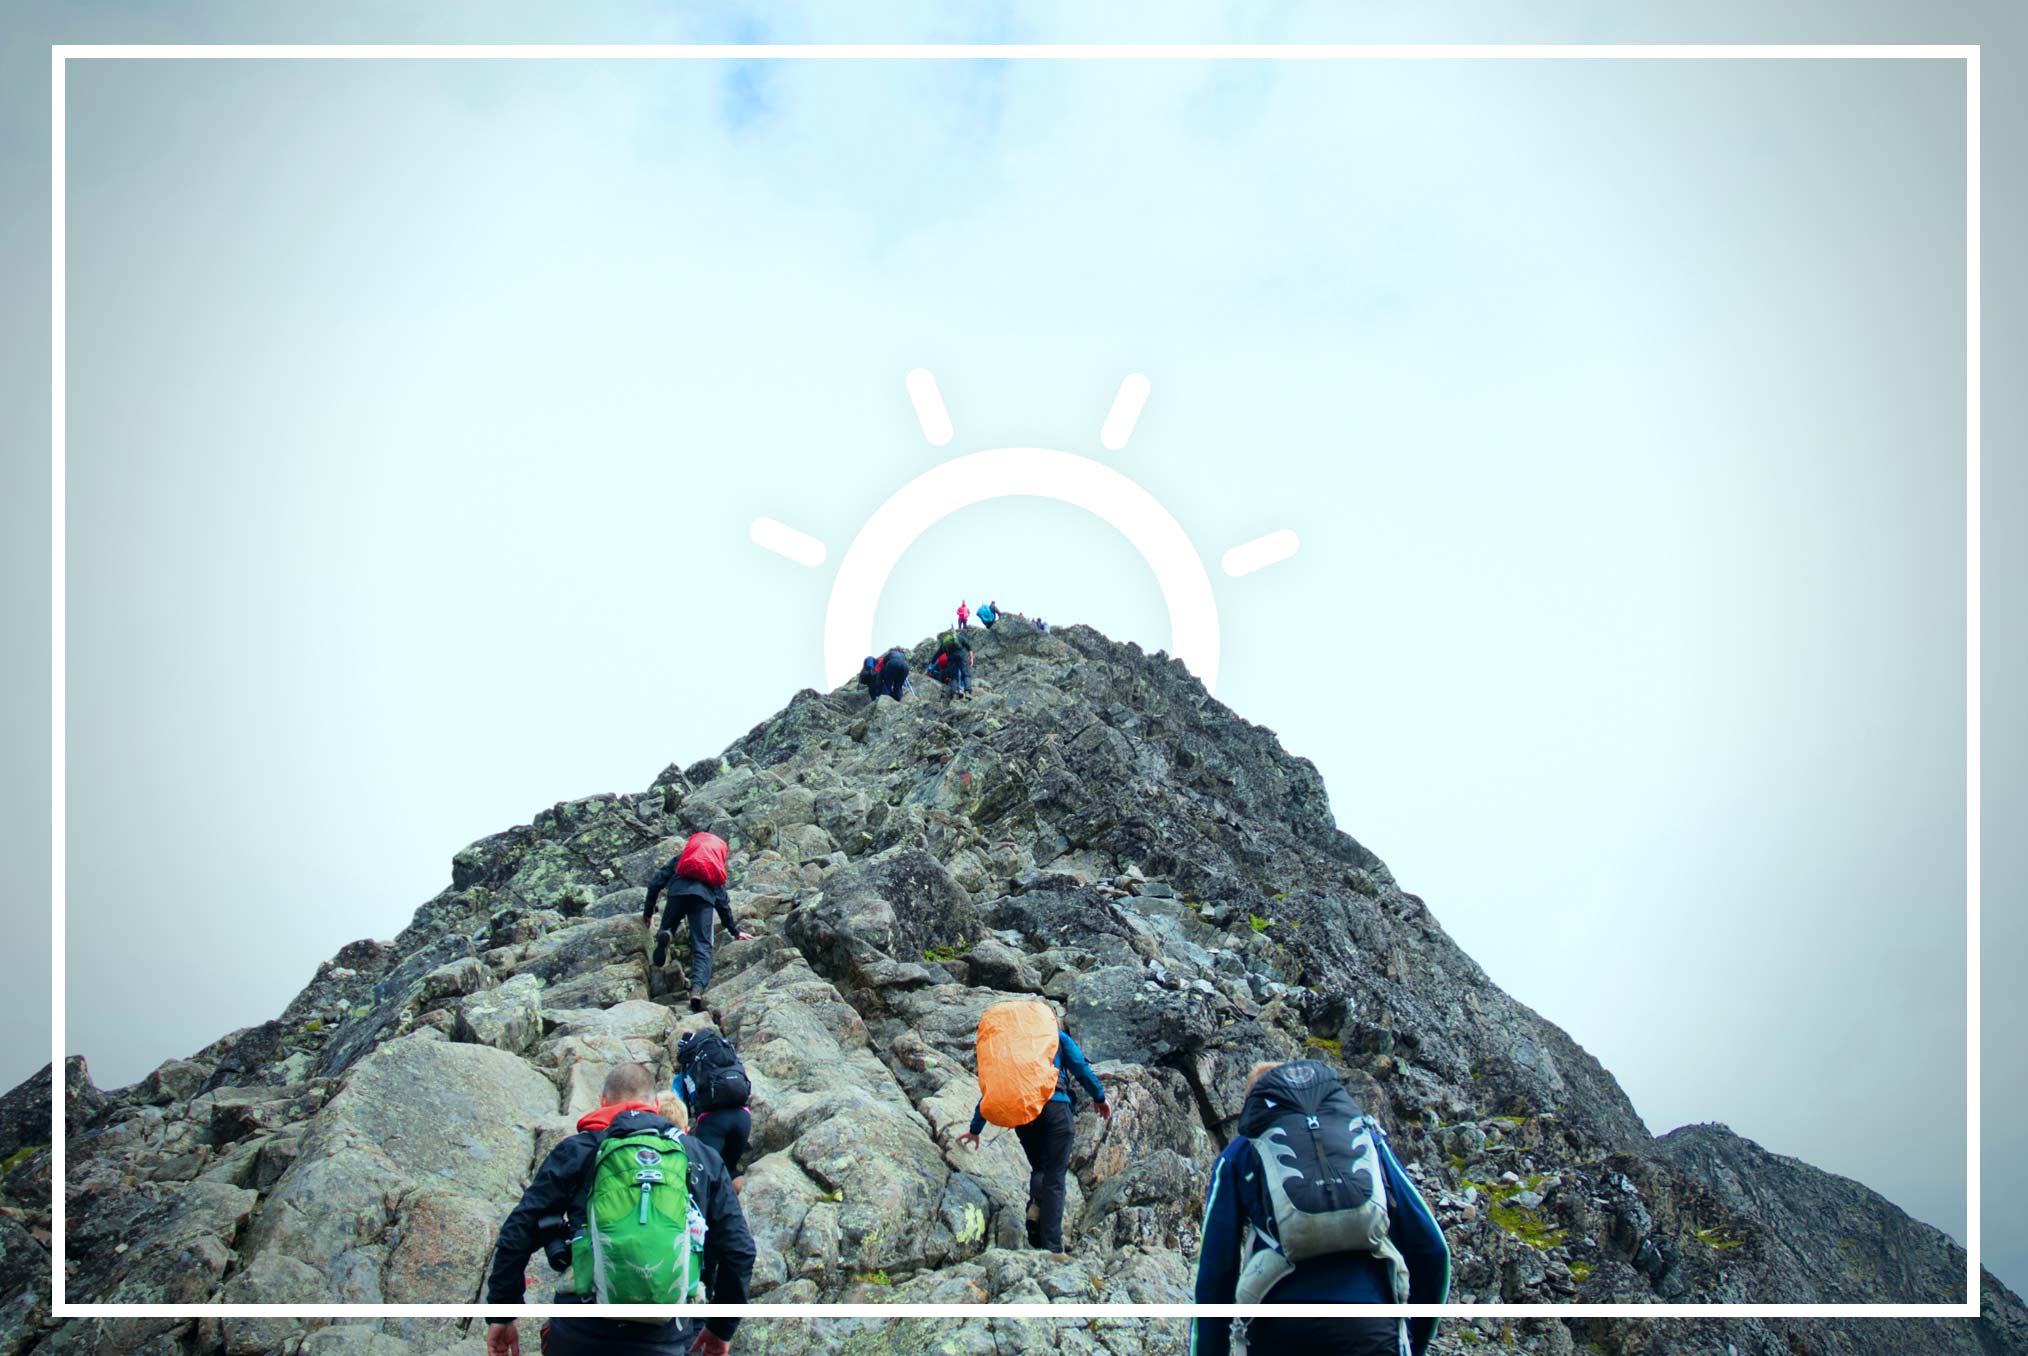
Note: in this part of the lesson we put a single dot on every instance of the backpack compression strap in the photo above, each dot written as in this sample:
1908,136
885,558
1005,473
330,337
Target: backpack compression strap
1361,1229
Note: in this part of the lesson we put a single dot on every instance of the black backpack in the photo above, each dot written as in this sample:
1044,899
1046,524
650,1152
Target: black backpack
713,1078
1322,1164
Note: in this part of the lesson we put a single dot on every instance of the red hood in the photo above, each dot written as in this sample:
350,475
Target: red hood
603,1117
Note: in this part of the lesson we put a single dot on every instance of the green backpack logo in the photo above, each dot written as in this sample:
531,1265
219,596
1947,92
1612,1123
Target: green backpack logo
643,1240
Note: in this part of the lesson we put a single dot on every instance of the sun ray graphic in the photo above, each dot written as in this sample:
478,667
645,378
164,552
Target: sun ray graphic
1033,472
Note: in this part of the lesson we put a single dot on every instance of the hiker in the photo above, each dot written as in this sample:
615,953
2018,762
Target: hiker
952,665
964,615
715,1088
1292,1216
939,671
626,1188
1041,625
1025,1068
989,614
885,676
695,880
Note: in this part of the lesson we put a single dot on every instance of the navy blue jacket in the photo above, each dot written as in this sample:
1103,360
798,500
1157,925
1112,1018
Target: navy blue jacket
1236,1203
1068,1056
691,892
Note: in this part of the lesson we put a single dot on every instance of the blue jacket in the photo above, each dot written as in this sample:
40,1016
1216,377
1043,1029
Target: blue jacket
1068,1056
1236,1203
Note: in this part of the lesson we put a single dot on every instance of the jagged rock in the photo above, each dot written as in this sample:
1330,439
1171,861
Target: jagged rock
176,1080
269,1279
415,1113
459,977
993,964
355,1339
23,1263
509,1017
876,922
177,1251
23,1318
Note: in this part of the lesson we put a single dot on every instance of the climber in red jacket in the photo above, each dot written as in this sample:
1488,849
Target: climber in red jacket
695,880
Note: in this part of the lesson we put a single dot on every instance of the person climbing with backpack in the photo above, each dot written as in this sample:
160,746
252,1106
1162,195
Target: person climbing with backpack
1026,1064
964,615
695,880
1308,1205
1042,626
952,665
637,1212
715,1088
988,614
885,676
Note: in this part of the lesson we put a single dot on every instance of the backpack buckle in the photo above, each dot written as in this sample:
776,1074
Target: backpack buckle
1312,1122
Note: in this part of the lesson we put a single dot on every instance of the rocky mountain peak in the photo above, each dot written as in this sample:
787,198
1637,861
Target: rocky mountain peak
1091,828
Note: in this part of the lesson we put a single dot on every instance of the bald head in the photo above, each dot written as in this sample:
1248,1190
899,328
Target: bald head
627,1083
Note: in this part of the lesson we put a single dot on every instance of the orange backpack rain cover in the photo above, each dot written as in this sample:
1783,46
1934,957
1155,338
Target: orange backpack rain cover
1017,1061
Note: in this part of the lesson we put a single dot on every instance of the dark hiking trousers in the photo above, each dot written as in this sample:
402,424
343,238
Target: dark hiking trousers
1046,1140
1326,1337
890,680
727,1133
615,1337
697,913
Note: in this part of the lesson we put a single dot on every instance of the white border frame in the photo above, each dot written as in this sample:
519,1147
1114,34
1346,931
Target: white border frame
1969,54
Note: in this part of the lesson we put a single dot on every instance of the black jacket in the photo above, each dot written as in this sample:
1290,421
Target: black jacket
688,890
564,1181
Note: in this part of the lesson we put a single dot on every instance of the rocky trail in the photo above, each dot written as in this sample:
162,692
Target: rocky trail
1092,828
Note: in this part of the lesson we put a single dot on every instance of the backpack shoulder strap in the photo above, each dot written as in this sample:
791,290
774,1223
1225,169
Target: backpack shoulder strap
580,1197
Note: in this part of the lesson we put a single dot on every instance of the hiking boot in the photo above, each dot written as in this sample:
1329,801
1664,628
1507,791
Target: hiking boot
661,948
696,1002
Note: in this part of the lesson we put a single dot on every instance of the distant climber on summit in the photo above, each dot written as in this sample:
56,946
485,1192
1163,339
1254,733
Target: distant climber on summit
1041,625
695,880
1308,1205
988,614
885,676
1025,1068
964,615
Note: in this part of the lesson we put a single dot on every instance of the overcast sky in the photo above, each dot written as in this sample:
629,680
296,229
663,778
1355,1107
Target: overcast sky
418,412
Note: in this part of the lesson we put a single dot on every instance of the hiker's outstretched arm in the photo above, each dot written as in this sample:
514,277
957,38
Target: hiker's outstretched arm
978,1117
1080,1067
722,901
1217,1261
551,1193
725,1232
657,883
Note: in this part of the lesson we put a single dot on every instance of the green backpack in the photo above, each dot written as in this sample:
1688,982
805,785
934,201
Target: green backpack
643,1240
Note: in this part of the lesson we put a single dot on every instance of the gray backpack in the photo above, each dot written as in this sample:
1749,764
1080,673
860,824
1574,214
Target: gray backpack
1321,1163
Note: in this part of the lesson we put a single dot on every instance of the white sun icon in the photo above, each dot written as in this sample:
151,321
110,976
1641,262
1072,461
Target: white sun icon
1008,472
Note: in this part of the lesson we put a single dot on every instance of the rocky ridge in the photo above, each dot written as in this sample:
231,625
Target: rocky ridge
1092,828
